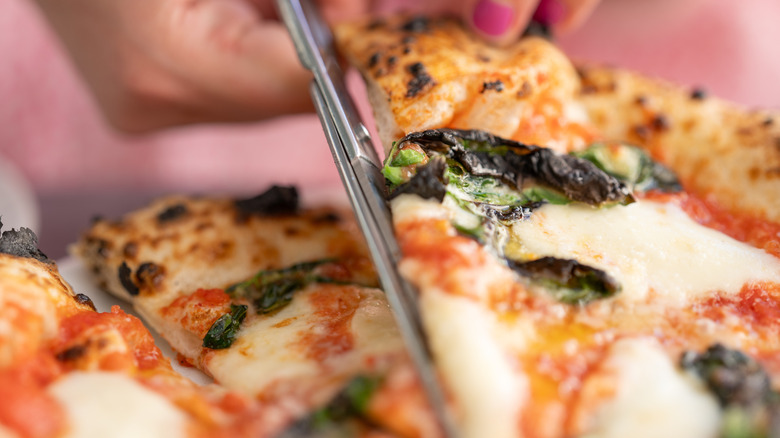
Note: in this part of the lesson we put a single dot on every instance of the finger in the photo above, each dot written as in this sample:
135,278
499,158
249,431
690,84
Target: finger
499,21
224,63
564,15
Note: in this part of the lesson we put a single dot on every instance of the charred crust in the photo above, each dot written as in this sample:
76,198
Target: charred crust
130,250
373,60
483,58
768,121
406,50
85,300
496,85
661,123
642,100
417,24
72,354
420,81
391,61
291,231
588,89
21,243
698,94
276,201
327,218
150,274
376,24
125,278
172,212
408,39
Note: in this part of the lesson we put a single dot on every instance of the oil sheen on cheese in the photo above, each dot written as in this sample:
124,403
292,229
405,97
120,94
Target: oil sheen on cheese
103,404
645,246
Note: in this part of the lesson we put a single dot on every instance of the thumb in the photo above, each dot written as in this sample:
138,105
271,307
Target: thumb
501,22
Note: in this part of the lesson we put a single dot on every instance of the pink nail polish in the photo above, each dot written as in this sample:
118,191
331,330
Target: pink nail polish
493,18
549,12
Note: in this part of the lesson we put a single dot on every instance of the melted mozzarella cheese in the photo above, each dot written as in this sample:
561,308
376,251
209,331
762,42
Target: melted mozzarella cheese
270,349
102,404
645,246
490,393
652,397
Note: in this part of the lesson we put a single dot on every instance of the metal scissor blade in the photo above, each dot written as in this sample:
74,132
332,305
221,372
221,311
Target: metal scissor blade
359,167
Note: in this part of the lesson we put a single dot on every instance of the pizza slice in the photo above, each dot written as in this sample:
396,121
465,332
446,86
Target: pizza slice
597,253
276,302
69,371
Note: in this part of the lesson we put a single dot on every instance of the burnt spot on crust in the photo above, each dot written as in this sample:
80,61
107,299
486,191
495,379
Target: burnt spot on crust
72,354
661,123
416,24
150,275
420,81
21,243
172,212
374,59
276,201
83,299
126,280
327,218
130,250
496,85
642,100
698,94
376,24
391,61
768,121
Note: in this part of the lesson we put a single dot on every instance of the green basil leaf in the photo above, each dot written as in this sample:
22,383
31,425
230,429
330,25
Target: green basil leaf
569,281
631,165
542,194
407,157
225,329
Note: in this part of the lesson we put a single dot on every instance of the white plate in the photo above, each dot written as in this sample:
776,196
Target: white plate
76,274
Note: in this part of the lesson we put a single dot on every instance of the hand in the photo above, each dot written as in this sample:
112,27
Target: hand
503,21
158,63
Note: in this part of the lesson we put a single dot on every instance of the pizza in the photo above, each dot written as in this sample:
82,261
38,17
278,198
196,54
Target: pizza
69,371
273,301
596,253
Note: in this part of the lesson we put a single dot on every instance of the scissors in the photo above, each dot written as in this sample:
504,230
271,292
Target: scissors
360,170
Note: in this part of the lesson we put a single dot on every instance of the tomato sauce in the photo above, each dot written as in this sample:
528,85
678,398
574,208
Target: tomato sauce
198,311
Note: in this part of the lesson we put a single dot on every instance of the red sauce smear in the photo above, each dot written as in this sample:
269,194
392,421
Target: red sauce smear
757,304
198,311
334,306
757,232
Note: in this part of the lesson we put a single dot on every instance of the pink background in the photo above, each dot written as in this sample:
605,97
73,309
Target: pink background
51,130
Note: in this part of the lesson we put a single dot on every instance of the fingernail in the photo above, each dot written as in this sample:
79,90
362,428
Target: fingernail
493,18
549,12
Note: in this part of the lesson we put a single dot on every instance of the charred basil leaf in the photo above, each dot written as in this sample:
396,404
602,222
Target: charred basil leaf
21,243
750,407
631,165
570,281
483,154
429,182
225,329
350,404
271,290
